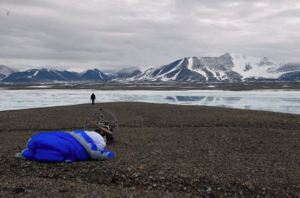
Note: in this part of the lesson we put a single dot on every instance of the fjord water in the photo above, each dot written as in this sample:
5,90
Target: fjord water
267,100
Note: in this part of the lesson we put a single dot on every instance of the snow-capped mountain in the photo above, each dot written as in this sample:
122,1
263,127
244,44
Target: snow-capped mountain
47,75
42,75
226,68
94,74
5,71
126,73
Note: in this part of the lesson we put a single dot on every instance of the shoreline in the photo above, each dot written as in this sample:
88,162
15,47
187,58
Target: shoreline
149,103
161,151
286,99
157,86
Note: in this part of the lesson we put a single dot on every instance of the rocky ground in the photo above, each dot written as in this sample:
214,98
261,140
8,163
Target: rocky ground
161,151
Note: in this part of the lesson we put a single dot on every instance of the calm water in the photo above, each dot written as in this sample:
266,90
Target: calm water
267,100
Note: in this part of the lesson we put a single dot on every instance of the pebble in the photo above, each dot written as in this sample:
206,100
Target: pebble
18,190
208,190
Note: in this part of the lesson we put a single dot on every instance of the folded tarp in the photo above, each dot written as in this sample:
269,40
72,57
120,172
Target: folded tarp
65,146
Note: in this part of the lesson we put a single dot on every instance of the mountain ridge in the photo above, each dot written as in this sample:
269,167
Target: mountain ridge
229,67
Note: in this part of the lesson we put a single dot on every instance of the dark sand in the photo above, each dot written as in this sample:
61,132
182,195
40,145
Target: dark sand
161,151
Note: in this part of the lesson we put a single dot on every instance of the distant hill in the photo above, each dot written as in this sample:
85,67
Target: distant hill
126,73
5,71
94,74
47,75
42,75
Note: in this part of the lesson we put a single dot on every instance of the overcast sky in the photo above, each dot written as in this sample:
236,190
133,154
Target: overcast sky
113,34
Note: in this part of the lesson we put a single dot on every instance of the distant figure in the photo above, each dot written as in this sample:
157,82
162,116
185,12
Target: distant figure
93,98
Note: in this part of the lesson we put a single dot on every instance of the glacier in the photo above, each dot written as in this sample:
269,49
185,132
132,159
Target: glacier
266,100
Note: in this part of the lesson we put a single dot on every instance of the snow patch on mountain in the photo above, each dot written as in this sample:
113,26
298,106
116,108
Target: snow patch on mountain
249,66
190,63
100,75
35,73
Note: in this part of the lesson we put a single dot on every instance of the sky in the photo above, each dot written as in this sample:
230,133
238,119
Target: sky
77,35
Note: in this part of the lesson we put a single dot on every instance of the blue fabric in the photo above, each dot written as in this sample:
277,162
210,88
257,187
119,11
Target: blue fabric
109,154
59,146
87,138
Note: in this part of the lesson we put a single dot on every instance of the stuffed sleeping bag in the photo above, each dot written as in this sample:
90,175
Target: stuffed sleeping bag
66,146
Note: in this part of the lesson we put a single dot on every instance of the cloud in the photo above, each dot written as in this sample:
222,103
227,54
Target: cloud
75,34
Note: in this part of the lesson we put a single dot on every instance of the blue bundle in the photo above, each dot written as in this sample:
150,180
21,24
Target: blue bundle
63,146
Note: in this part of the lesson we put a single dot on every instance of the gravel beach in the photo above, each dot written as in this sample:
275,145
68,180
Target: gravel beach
161,151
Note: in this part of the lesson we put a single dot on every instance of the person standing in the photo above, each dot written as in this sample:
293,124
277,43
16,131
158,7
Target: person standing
93,98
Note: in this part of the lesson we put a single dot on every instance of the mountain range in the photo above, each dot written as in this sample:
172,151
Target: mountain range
46,75
228,67
225,68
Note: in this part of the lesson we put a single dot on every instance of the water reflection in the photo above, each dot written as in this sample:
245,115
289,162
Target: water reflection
232,98
209,99
170,98
201,98
189,98
279,101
